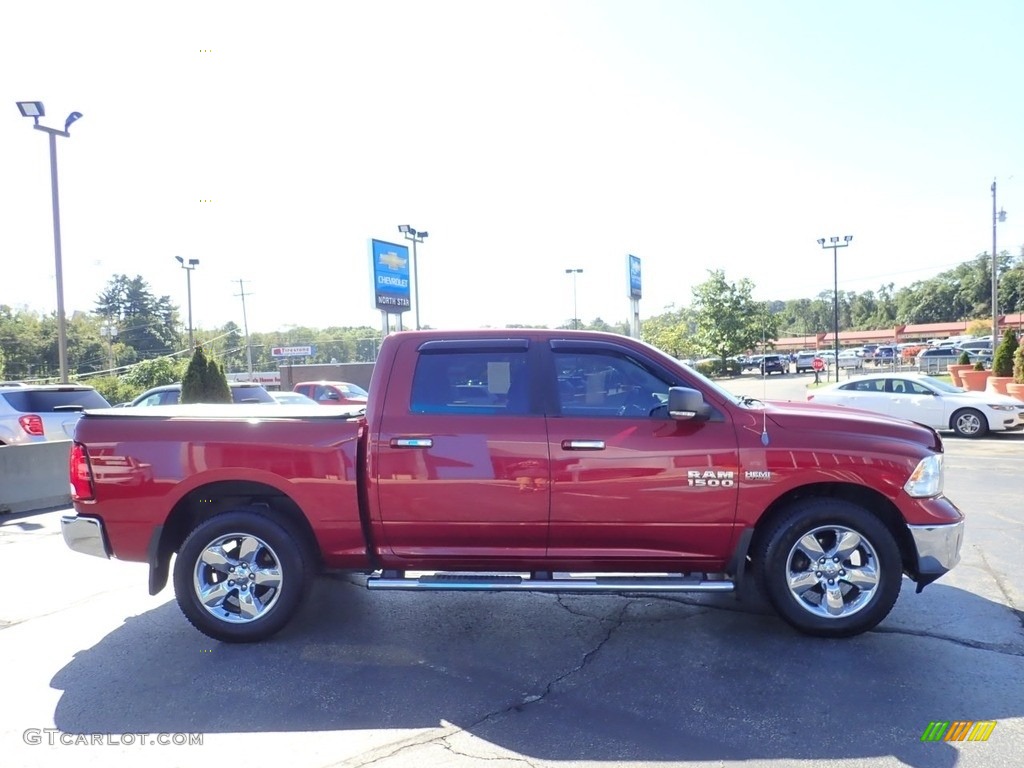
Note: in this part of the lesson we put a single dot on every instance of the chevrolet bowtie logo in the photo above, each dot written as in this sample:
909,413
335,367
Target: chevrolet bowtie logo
392,261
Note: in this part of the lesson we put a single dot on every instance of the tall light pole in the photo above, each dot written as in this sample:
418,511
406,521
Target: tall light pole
574,272
835,245
192,264
35,110
417,237
1001,216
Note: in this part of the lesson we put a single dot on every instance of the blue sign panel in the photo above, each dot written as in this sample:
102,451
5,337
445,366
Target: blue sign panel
634,277
390,276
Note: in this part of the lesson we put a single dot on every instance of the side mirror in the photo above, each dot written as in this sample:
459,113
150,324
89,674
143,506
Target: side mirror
685,404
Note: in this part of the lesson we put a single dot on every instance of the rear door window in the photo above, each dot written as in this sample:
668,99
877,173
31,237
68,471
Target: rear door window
486,382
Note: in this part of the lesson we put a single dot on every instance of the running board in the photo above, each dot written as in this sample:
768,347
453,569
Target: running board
547,582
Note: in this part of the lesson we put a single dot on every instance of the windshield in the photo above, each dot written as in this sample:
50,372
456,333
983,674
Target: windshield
944,386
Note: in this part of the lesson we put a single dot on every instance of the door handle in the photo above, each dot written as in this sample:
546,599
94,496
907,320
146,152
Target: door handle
583,445
412,442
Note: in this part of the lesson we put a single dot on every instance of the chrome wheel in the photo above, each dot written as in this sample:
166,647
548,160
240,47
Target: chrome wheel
237,578
969,423
832,571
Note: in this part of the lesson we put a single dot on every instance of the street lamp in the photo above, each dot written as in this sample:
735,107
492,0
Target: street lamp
35,110
574,272
1001,216
192,264
416,237
835,245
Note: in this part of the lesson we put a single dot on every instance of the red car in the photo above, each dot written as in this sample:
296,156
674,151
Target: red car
332,392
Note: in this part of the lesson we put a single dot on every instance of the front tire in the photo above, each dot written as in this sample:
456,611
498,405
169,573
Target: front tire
240,576
830,568
969,423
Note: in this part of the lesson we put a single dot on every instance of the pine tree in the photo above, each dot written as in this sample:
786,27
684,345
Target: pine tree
204,381
1002,363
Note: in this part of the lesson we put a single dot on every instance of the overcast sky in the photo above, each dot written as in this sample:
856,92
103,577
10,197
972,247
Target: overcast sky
527,138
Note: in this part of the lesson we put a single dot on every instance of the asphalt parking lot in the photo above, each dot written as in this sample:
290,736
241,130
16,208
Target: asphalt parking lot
393,679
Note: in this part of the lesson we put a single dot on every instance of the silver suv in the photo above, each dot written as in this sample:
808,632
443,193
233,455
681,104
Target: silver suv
35,413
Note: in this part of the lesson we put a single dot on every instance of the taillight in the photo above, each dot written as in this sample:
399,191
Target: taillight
32,424
81,474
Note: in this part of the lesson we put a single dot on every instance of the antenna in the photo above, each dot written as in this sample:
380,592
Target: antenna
764,390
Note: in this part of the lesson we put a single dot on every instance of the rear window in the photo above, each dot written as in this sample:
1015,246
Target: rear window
255,394
50,400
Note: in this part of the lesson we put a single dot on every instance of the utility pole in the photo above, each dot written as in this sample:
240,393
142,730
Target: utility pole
109,331
245,325
996,217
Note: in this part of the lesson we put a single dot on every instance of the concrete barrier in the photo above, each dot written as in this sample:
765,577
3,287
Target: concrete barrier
34,476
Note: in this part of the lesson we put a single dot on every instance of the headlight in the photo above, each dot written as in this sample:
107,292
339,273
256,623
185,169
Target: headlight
1003,407
926,479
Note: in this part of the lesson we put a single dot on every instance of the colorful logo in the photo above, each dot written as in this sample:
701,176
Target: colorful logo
958,730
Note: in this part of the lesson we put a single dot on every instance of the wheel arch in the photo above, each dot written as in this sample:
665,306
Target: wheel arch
868,498
209,500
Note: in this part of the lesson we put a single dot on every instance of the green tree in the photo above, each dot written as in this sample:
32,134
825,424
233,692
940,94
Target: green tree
1002,362
672,332
204,381
29,343
146,323
154,372
728,320
114,389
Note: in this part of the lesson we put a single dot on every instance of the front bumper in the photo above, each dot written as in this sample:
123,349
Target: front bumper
85,535
938,550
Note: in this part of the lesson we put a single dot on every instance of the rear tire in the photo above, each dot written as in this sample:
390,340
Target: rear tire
240,576
830,568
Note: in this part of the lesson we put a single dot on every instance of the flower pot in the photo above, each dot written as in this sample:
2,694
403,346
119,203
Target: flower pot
956,370
974,381
998,384
1015,390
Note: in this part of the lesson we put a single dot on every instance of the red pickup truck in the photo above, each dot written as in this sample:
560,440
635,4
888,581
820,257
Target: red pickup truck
532,460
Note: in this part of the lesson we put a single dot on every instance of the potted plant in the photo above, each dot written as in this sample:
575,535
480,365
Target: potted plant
1002,363
963,364
974,379
1016,387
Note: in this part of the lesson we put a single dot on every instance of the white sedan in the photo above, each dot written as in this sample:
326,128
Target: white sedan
850,359
926,400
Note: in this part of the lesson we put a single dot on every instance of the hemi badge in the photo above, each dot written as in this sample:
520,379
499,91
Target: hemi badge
757,474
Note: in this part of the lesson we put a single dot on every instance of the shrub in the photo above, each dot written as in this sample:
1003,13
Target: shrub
979,366
114,389
204,381
965,359
1018,365
1002,363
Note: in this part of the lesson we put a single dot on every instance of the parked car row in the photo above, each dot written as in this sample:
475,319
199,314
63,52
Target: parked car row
36,413
305,392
